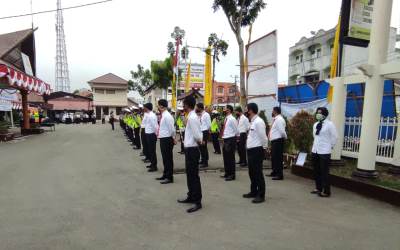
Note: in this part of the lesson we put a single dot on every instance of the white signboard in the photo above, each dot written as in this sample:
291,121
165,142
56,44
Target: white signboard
361,19
262,76
27,64
7,96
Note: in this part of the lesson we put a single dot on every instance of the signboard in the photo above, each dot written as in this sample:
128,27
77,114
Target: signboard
27,64
7,96
301,159
262,76
360,19
356,21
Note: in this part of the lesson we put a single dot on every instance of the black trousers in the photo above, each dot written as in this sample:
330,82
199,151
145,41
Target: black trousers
321,172
130,134
166,147
151,149
256,157
215,141
144,143
242,148
277,157
182,136
137,137
112,125
192,157
203,148
228,151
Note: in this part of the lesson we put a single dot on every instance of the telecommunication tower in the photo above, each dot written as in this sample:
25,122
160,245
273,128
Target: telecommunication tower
62,82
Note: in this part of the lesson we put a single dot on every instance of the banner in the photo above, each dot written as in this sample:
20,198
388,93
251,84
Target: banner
291,109
208,79
173,101
7,97
188,76
361,19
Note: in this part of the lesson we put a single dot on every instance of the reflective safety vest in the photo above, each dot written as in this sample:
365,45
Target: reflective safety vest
138,121
214,126
179,123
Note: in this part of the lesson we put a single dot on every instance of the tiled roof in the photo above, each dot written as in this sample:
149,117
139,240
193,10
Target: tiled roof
10,40
109,78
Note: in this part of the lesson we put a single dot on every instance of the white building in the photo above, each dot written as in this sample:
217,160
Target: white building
310,58
110,94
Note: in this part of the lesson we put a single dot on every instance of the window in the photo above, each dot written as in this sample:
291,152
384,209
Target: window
232,90
99,91
110,92
318,52
220,100
220,90
299,58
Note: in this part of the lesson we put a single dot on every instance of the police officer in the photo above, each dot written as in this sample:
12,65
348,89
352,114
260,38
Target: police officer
151,128
205,121
180,124
215,132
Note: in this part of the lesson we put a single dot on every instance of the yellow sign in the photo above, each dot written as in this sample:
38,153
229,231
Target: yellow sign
187,83
208,79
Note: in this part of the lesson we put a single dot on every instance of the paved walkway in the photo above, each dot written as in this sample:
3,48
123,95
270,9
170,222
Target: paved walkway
81,187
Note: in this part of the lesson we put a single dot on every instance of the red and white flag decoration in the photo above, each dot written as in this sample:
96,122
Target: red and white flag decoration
20,80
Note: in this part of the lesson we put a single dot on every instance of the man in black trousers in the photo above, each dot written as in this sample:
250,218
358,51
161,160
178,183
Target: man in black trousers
166,134
193,138
277,136
143,137
205,121
151,128
243,127
230,134
256,141
136,129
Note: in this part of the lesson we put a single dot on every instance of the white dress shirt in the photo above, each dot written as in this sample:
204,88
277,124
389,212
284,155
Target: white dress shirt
326,140
244,124
230,127
278,128
257,135
151,125
143,124
167,128
193,133
205,120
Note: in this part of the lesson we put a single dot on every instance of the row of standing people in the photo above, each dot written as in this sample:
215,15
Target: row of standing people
247,132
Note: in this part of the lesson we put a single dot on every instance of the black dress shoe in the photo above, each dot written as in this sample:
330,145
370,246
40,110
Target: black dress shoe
324,195
203,165
277,178
258,199
181,152
146,160
185,201
223,176
141,154
249,195
272,174
230,178
167,181
149,166
161,178
152,170
217,153
243,164
196,207
315,192
238,163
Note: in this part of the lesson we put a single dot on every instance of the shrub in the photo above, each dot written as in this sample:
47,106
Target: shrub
3,127
300,131
265,119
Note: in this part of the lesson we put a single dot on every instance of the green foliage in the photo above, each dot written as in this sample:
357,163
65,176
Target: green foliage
171,49
178,34
162,73
262,115
76,91
300,131
141,80
4,127
185,53
219,46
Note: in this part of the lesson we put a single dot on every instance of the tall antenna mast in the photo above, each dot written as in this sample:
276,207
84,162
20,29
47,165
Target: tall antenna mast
32,14
62,74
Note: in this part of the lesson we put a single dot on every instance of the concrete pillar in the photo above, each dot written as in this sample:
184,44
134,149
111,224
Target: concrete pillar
378,48
11,118
395,168
25,110
337,113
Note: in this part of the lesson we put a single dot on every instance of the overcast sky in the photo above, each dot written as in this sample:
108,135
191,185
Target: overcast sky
118,35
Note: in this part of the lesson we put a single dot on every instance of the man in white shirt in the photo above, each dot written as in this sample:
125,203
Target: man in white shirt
256,141
151,128
243,127
166,134
230,133
325,137
205,121
277,136
143,137
193,138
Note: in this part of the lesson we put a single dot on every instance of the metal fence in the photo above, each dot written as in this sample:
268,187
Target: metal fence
386,138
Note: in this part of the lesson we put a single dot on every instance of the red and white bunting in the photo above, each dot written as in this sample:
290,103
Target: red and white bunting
20,80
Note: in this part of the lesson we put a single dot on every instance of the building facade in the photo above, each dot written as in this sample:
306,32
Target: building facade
110,94
225,93
310,58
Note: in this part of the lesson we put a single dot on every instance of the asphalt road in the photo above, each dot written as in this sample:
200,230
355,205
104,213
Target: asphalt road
82,187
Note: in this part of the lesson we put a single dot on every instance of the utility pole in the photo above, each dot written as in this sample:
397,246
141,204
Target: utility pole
236,77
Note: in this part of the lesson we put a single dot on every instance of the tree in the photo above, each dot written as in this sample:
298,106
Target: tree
240,13
219,46
162,73
300,131
76,92
141,80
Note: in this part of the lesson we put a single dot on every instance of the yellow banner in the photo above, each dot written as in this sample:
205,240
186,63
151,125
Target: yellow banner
335,58
188,76
208,79
173,101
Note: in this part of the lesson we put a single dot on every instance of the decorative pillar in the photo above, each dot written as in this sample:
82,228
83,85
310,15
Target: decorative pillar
338,109
378,48
395,168
25,110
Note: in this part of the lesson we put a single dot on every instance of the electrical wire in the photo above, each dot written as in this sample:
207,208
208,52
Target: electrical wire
48,11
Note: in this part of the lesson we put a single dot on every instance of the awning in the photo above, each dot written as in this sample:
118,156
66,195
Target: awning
16,105
19,80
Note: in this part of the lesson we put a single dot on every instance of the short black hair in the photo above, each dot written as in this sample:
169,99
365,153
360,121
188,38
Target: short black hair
324,111
189,101
277,109
229,107
239,109
163,103
253,107
200,105
148,105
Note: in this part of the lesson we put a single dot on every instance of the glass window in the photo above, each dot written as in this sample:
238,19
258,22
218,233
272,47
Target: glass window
319,52
99,91
110,91
220,90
